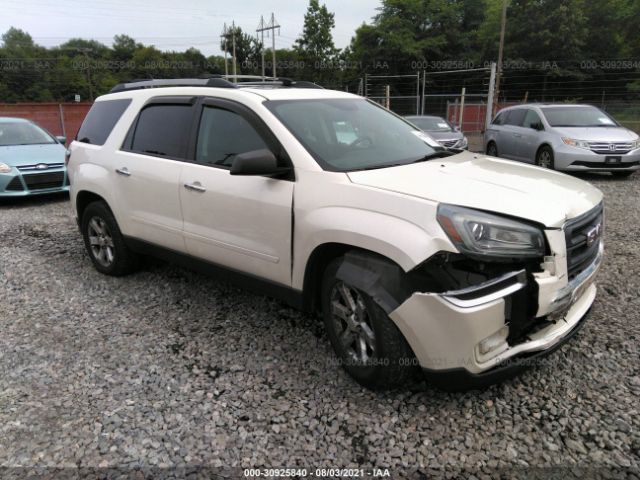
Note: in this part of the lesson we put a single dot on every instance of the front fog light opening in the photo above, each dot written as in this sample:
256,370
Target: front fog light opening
494,344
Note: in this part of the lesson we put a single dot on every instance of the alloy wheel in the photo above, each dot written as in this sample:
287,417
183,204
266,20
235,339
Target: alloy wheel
101,241
544,159
352,323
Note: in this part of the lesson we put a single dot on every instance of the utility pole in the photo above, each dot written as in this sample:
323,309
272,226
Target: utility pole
86,51
492,84
271,26
224,38
233,41
260,30
503,24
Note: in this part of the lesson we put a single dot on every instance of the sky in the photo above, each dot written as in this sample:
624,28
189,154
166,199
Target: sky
171,24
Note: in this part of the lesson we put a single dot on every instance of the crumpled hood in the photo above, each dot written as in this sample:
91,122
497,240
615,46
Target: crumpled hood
19,155
597,134
491,184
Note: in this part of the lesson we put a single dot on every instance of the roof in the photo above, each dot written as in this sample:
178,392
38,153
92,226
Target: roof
423,116
252,93
14,120
546,105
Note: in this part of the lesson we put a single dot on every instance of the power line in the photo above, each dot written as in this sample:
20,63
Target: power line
271,26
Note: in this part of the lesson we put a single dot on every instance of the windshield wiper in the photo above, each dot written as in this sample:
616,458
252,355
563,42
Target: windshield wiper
436,154
429,156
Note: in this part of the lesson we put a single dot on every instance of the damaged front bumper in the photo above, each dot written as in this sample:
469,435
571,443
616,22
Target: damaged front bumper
461,338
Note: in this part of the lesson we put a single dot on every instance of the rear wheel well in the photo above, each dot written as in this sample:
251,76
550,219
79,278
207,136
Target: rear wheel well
84,198
318,261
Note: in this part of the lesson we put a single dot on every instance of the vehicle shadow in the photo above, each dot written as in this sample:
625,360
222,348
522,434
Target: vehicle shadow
588,176
33,201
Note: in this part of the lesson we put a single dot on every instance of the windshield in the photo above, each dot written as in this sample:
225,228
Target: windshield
431,124
22,133
352,134
577,117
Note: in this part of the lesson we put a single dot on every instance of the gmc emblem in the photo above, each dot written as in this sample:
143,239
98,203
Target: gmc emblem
594,234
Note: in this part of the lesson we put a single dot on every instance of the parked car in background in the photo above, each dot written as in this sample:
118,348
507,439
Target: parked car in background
31,159
440,130
564,137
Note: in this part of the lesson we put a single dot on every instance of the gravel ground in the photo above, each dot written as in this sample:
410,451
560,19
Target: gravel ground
169,369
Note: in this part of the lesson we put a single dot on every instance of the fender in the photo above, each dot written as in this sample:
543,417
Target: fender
399,240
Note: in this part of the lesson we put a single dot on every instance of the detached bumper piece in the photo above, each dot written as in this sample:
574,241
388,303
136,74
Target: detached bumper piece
482,334
461,379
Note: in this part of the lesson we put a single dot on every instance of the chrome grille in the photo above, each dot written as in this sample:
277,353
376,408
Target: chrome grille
36,168
583,235
448,143
611,148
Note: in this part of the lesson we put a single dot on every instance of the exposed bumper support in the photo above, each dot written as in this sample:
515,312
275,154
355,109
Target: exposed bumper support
446,330
488,291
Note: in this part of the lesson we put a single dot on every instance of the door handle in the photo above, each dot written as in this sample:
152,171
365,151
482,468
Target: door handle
195,186
123,171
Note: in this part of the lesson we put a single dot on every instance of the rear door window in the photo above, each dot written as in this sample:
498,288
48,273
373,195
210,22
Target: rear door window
100,120
163,130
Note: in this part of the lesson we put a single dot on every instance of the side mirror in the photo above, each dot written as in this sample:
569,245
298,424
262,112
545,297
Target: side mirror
456,128
61,139
257,162
537,126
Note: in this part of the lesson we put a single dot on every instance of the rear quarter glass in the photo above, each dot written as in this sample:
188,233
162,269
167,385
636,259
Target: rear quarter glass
100,120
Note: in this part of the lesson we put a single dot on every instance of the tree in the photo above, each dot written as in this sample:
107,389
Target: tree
406,32
315,46
247,51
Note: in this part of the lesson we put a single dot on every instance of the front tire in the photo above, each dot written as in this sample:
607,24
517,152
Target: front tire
368,344
492,149
545,158
104,242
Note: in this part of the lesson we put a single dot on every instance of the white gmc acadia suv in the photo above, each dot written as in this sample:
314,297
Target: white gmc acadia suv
465,265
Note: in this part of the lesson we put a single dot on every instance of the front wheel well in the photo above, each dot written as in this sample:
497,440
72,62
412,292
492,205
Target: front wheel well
541,147
319,259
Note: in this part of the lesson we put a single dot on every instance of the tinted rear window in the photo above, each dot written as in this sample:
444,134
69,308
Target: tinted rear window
100,120
163,130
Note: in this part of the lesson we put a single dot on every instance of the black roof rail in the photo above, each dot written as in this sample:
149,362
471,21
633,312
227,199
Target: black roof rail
219,81
213,81
280,82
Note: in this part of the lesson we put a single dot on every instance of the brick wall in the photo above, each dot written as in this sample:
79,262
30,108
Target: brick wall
57,118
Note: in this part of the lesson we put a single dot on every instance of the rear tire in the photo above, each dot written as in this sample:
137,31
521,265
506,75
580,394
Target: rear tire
622,174
369,345
492,149
104,242
545,158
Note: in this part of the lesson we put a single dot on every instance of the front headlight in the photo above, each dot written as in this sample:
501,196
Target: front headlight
463,143
636,144
478,233
572,142
4,168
